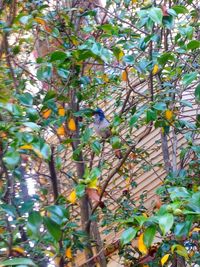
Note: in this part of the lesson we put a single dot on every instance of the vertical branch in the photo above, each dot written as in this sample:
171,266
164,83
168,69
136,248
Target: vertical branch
165,151
53,175
151,74
174,151
80,169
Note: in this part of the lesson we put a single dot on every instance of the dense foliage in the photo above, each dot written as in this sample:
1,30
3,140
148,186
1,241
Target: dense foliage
139,61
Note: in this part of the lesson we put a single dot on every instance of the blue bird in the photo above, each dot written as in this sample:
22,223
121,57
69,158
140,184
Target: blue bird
102,128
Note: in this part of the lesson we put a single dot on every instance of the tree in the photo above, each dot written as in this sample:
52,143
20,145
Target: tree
59,62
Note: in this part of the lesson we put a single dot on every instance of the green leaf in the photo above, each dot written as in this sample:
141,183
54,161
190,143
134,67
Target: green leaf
151,115
182,229
17,261
128,235
58,55
80,190
34,223
50,95
11,158
44,72
180,250
45,150
128,59
115,142
53,228
186,103
160,106
57,213
26,99
25,19
133,119
165,222
164,58
189,78
149,235
156,15
180,9
33,126
197,93
63,73
178,192
168,22
9,209
194,44
96,147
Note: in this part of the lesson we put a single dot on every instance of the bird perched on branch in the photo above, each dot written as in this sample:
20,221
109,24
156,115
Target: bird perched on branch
102,128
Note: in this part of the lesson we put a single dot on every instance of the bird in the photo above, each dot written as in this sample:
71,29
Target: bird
102,128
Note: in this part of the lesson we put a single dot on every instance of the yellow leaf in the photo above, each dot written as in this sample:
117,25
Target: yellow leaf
46,113
93,184
128,183
40,21
72,197
145,215
49,253
26,147
38,153
196,229
74,40
61,130
124,76
19,250
72,124
168,114
155,69
61,111
2,230
134,1
68,253
105,78
164,259
141,246
120,55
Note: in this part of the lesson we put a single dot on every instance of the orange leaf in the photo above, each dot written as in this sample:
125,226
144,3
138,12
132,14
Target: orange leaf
40,21
124,76
68,253
168,114
19,250
141,246
61,111
61,130
72,124
2,230
3,135
72,197
46,113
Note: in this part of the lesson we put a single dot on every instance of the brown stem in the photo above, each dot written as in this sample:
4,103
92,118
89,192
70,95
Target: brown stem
53,175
